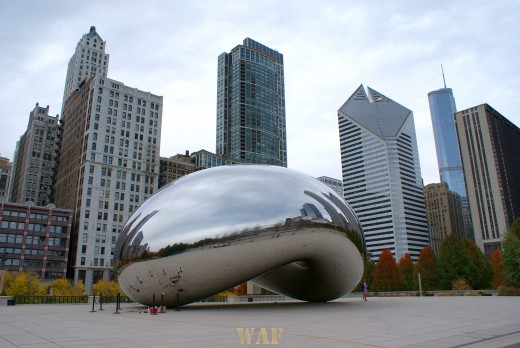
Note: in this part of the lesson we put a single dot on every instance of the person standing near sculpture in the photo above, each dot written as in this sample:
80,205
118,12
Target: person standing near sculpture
364,288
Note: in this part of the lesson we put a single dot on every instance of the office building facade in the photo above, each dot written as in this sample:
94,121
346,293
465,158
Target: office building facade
489,146
35,239
335,184
442,111
5,177
109,165
251,105
174,167
35,159
444,213
381,173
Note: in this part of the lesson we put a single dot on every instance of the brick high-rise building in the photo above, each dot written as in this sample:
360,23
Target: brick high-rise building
489,145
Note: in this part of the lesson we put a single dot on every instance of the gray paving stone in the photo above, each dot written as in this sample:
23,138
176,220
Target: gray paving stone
348,322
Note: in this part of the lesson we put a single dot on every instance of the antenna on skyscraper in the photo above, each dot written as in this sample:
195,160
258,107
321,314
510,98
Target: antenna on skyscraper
442,69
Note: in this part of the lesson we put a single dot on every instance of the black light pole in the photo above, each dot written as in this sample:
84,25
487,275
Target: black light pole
93,303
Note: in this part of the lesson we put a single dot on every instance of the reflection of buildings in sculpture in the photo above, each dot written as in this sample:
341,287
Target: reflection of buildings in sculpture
335,184
444,212
262,240
489,145
35,159
311,211
381,173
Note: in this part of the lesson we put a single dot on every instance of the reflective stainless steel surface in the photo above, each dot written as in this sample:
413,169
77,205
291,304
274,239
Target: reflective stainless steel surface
217,228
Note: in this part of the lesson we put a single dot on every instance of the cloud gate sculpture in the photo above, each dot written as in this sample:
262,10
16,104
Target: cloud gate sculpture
214,229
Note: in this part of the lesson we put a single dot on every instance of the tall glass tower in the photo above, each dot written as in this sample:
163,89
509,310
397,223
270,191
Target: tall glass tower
251,105
442,110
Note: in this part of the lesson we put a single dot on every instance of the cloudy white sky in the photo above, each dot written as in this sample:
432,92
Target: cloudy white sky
170,48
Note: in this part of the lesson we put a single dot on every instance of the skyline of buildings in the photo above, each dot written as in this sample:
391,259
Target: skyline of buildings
251,105
382,180
489,145
110,161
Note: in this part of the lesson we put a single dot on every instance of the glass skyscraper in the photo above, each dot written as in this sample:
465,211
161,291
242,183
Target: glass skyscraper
251,105
442,110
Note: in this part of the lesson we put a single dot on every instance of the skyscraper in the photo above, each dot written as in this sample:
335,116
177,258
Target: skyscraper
381,173
489,145
444,212
251,105
109,165
35,159
442,110
88,59
109,157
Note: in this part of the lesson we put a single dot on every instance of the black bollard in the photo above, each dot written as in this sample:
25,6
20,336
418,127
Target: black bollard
93,303
118,299
154,310
162,303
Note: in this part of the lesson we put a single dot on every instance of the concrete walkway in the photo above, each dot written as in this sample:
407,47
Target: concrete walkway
470,321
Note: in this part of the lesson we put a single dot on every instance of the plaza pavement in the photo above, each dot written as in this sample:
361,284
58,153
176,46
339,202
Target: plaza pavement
471,321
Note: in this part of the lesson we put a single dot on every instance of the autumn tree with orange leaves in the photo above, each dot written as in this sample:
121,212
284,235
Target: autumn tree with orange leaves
406,268
498,267
426,265
386,276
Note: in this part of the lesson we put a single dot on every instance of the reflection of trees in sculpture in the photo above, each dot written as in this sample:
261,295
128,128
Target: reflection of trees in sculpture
291,225
129,249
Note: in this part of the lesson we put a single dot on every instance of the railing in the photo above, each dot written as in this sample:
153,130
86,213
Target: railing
50,299
67,299
427,293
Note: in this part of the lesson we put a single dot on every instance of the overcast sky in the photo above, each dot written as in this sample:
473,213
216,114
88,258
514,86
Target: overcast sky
170,48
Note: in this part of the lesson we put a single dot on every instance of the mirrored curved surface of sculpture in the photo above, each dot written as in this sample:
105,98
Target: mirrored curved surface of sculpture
217,228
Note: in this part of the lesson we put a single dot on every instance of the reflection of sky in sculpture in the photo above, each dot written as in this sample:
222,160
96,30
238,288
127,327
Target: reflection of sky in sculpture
219,201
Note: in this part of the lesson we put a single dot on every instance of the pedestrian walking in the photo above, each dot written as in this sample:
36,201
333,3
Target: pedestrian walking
364,288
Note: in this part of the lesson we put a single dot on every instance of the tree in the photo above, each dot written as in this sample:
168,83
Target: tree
24,284
453,263
368,271
63,287
104,288
406,268
511,256
481,278
386,276
498,267
426,266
